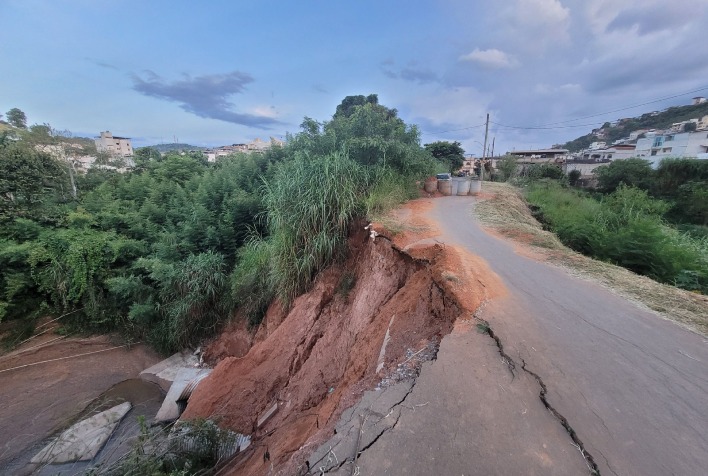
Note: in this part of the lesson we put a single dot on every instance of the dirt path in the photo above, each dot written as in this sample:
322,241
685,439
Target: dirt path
40,397
576,380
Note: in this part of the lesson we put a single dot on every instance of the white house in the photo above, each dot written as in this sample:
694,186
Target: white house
661,146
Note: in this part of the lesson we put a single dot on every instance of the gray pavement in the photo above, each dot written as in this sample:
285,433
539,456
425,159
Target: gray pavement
593,383
633,386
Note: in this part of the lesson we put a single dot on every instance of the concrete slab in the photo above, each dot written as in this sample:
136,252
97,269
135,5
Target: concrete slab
184,378
83,440
377,412
163,373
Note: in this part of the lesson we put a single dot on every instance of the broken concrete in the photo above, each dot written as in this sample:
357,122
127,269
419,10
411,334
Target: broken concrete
185,378
265,416
360,426
83,440
164,373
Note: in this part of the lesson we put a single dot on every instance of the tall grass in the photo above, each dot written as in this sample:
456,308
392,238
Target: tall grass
625,228
310,203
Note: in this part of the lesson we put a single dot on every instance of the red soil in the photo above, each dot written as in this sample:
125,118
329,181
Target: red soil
316,359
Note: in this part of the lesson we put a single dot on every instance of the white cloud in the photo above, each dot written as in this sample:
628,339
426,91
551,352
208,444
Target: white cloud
539,23
454,108
264,111
490,59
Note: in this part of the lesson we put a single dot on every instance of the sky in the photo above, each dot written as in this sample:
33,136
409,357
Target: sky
218,72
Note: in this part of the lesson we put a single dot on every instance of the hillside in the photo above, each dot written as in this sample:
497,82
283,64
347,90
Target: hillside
649,120
175,146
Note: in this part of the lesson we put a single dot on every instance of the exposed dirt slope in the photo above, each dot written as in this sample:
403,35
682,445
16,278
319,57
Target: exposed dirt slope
325,352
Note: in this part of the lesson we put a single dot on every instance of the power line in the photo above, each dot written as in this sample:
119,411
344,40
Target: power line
704,88
557,124
541,127
454,130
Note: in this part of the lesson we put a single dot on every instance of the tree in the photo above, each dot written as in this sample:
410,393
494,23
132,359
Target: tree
16,118
450,153
574,177
633,172
689,127
350,103
507,166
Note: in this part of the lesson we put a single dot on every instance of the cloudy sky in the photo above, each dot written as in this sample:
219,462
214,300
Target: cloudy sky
220,72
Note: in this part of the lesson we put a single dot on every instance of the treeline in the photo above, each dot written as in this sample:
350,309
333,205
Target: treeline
652,222
168,251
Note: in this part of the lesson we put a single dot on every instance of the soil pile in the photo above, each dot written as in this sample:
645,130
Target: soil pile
316,360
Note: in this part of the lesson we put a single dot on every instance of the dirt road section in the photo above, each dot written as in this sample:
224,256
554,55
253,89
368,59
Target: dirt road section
44,394
631,386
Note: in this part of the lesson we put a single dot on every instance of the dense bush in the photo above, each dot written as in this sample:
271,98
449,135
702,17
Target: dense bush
626,228
167,251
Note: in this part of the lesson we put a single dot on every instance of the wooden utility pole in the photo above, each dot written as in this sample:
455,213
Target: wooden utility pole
484,151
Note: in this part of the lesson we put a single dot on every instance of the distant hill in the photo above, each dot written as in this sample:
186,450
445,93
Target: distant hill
175,146
650,120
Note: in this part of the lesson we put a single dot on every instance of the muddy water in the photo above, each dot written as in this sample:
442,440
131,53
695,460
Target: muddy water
146,398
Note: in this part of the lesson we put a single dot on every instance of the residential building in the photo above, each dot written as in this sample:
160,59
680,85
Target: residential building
660,146
698,100
702,124
606,154
257,145
114,145
540,156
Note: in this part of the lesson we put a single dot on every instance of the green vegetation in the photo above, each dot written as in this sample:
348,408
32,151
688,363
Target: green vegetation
167,252
625,227
450,153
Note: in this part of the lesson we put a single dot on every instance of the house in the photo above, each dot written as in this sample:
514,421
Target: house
698,100
257,146
540,156
634,135
114,145
607,154
685,144
702,124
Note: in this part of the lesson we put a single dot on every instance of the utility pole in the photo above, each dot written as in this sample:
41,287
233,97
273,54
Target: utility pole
484,150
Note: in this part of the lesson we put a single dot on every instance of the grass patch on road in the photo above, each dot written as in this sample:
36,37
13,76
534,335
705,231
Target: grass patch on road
507,213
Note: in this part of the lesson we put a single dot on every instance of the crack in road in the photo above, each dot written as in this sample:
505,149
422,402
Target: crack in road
511,365
563,421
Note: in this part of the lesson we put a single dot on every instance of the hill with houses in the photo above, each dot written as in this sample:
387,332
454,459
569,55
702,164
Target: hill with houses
673,119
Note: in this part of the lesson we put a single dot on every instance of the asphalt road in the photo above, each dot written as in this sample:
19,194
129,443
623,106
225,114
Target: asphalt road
621,384
633,387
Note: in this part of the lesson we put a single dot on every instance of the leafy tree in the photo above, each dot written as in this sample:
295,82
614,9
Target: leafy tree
29,180
451,153
349,104
16,118
632,172
143,155
574,177
689,127
508,166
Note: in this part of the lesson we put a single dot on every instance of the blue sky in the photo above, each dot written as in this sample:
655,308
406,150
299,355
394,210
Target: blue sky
221,72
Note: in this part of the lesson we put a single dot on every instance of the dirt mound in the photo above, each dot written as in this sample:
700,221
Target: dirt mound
315,361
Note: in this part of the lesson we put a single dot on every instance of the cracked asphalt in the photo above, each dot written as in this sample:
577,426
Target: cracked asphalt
573,379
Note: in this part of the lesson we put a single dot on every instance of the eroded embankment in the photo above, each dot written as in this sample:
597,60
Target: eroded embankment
317,360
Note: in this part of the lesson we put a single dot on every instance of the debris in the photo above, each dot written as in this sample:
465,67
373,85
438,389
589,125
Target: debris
267,415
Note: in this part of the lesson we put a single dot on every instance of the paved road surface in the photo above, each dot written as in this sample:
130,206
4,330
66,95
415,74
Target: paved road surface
632,387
